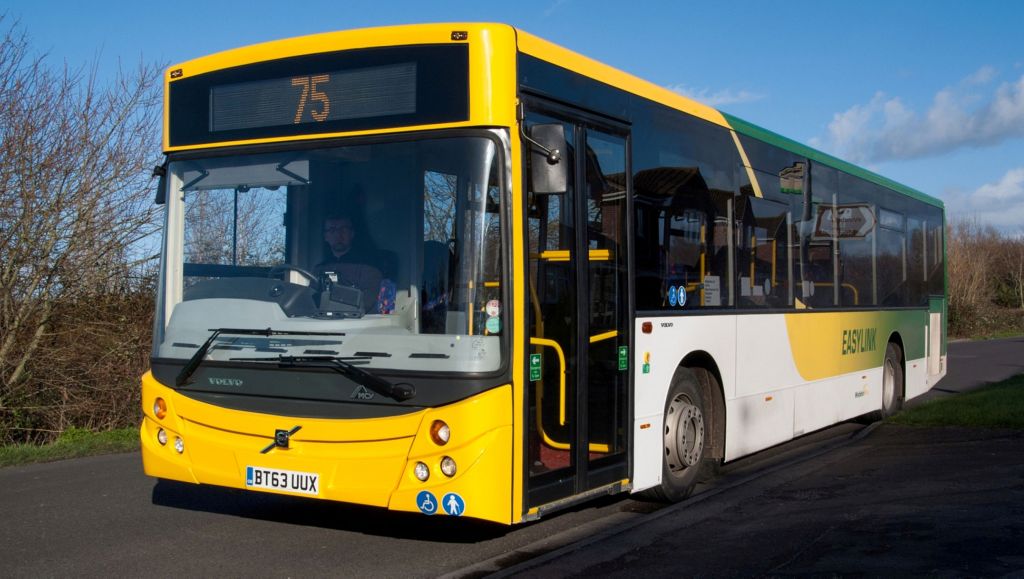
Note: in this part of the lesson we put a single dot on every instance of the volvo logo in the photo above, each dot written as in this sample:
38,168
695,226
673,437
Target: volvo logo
225,381
281,439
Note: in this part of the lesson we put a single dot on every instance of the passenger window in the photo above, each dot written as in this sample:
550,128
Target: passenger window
764,252
684,183
814,258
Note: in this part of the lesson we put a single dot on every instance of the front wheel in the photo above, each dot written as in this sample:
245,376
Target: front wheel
685,439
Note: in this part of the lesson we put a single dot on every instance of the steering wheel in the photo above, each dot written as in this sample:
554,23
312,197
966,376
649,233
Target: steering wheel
277,270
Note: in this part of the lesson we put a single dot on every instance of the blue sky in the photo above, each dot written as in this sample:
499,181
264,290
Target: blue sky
929,93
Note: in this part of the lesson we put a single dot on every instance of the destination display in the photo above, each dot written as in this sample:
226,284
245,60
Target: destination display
316,98
331,92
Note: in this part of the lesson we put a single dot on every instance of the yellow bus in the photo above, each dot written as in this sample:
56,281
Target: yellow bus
455,269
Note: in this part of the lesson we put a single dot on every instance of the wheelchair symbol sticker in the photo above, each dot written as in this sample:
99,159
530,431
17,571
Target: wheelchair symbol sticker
453,504
426,502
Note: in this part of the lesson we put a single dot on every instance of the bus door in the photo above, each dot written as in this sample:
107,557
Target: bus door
578,296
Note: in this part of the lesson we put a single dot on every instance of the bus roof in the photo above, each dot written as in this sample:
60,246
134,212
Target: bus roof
544,50
578,63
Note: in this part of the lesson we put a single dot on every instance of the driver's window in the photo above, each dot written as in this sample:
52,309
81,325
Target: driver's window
233,232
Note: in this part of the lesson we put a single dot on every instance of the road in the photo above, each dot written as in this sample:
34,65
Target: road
101,515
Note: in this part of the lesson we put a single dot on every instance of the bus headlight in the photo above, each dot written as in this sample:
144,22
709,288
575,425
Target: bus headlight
421,471
448,466
161,436
179,444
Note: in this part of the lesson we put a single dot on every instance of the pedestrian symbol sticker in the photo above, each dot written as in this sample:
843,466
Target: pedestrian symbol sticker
493,308
681,298
453,504
426,503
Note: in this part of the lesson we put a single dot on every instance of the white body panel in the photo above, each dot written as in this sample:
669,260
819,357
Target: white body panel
672,339
767,401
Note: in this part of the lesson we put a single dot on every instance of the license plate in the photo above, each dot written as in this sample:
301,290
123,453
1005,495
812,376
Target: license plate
289,481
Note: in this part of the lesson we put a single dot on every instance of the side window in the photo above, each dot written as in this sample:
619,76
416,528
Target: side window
814,259
684,183
917,274
892,268
551,236
936,251
856,231
764,253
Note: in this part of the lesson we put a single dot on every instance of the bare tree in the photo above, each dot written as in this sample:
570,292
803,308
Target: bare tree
75,200
1011,260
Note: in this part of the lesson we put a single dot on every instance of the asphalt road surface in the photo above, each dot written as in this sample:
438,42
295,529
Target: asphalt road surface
101,515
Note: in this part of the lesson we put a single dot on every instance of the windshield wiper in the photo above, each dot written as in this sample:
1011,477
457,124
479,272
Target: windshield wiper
400,391
197,358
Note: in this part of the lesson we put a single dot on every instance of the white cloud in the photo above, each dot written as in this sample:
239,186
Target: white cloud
959,116
983,75
1000,204
716,98
554,6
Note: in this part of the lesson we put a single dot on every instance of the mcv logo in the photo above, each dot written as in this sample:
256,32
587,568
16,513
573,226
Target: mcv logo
225,381
361,393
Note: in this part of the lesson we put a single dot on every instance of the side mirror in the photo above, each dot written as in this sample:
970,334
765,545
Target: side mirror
161,185
548,170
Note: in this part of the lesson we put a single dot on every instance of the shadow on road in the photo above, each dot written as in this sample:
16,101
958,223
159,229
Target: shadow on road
324,514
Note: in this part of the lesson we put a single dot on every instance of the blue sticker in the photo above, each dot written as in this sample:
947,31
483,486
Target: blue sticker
426,502
453,504
493,325
682,296
672,296
248,476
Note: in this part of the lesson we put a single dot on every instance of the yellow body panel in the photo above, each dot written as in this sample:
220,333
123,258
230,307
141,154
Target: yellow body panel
364,461
547,51
827,344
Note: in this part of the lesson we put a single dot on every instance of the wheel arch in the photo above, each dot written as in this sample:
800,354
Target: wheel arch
705,368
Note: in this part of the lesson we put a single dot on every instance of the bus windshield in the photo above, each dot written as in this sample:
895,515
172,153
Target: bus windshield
388,254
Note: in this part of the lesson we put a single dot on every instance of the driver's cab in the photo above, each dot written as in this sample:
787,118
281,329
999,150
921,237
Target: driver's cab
252,242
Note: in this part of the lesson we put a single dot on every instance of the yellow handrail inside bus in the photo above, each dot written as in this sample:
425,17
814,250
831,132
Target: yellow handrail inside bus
774,259
561,402
703,254
753,256
561,373
564,255
849,286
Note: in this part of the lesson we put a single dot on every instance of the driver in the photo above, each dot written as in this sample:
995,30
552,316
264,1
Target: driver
339,235
350,262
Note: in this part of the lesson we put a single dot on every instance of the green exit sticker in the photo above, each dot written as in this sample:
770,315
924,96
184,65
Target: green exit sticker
534,367
623,357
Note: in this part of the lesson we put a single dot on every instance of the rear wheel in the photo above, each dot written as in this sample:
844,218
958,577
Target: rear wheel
892,384
892,381
685,439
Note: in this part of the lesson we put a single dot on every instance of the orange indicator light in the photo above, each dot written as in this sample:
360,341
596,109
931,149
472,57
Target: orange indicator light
160,408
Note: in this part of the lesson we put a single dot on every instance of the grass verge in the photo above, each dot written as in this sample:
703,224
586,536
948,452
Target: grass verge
1000,405
72,443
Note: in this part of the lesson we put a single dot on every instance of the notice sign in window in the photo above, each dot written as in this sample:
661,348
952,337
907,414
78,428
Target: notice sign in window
315,98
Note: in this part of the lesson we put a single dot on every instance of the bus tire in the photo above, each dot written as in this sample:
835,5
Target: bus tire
685,439
892,384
